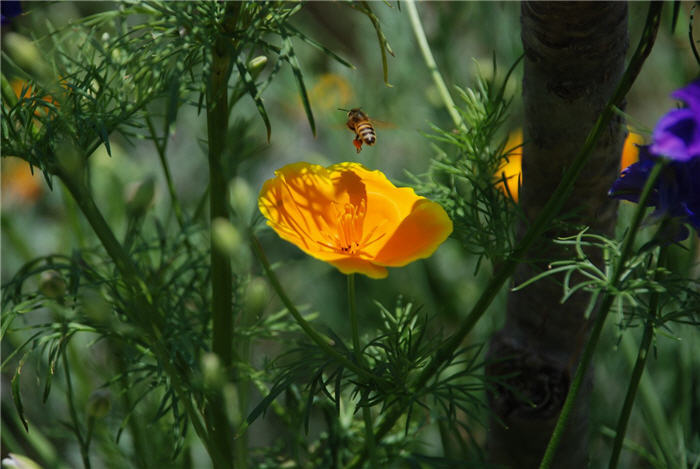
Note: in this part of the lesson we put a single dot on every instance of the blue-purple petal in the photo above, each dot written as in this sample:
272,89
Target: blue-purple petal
631,182
676,193
690,95
9,9
677,135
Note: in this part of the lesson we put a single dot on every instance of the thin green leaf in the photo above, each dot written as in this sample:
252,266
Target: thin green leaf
16,396
318,46
384,46
253,92
289,56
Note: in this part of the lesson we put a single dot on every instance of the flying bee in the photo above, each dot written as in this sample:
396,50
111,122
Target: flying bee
361,124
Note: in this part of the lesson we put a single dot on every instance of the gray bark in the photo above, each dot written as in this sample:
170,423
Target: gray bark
574,58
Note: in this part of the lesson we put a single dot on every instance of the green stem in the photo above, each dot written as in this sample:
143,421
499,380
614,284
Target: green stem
607,302
84,446
160,148
366,411
634,384
653,411
549,211
321,341
221,274
638,370
432,66
217,125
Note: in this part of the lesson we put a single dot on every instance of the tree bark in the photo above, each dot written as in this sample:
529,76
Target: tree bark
574,58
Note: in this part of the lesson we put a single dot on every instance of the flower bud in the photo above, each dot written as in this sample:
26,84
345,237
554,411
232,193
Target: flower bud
52,284
228,241
241,198
256,65
25,54
256,297
139,197
232,405
18,461
213,374
99,403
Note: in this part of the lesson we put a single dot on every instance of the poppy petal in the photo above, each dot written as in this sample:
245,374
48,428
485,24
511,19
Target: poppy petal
418,235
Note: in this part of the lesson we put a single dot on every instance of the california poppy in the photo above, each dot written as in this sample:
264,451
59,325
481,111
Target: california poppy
351,217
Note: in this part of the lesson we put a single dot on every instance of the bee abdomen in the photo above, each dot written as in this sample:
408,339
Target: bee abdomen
366,133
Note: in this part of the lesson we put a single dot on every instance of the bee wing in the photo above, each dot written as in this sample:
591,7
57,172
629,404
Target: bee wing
380,124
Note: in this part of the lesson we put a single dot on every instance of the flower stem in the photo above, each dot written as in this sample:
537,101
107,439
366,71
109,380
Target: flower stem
366,411
321,341
638,369
235,450
607,302
84,446
160,148
432,66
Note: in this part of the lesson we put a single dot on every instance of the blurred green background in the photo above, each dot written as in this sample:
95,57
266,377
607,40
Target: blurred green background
464,37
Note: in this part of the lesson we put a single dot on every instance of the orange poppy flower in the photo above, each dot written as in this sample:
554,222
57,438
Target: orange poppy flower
511,168
351,217
630,152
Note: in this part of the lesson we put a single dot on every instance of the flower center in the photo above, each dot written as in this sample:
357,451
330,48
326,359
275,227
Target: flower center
347,238
350,223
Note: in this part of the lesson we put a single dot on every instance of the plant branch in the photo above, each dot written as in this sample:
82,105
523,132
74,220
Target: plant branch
432,66
638,368
321,341
366,411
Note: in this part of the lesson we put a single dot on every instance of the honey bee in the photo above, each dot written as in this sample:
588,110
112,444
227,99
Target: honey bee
361,124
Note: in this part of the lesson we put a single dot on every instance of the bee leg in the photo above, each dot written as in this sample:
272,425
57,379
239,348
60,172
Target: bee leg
358,144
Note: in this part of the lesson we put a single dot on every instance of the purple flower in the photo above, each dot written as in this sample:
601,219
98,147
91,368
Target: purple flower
677,135
677,191
9,9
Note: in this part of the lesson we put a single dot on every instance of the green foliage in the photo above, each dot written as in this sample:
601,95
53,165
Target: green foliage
679,295
464,175
310,379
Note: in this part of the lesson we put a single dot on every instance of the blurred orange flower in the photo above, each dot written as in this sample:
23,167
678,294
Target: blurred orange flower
511,169
630,152
19,184
330,91
351,217
24,90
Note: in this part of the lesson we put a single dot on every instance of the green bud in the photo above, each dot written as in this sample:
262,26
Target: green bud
256,65
229,241
52,284
26,54
257,295
241,198
18,461
232,405
99,403
213,374
140,197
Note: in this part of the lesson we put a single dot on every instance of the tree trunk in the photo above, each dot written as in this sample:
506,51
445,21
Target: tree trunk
574,58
